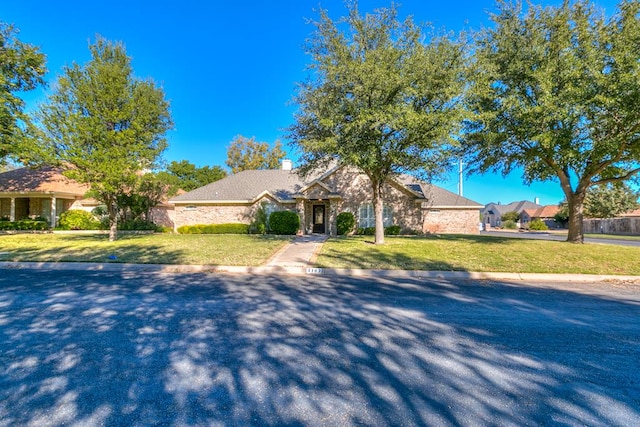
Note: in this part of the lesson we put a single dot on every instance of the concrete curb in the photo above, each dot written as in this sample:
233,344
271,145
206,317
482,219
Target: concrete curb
298,271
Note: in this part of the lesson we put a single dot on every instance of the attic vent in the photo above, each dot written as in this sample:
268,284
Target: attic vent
287,165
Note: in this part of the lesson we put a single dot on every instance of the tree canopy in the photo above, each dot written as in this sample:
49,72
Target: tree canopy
184,175
556,92
22,67
249,154
379,98
105,125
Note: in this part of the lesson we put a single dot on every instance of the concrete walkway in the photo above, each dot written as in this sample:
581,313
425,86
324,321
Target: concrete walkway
301,253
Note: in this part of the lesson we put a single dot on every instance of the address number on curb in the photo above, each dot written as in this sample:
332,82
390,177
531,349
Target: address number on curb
315,270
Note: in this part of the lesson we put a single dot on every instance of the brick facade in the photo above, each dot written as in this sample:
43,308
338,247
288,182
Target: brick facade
343,190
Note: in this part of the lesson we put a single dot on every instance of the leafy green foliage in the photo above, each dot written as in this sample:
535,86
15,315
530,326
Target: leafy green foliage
379,98
22,69
77,219
137,225
284,222
105,125
184,175
232,228
609,201
510,216
248,154
510,225
24,225
345,222
392,230
555,92
260,222
538,225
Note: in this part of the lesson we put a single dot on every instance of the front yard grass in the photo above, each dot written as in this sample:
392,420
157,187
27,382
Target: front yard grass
479,253
209,249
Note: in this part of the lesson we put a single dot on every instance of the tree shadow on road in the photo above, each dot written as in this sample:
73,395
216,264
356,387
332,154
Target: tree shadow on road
135,349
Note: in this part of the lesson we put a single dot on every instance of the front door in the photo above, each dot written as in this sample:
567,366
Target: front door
318,219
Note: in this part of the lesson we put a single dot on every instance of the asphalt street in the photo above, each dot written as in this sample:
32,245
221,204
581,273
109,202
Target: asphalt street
558,237
137,349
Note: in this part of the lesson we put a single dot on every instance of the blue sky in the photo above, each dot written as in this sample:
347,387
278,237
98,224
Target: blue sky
230,68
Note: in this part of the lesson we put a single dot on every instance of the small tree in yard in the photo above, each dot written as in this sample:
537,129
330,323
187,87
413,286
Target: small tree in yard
511,216
556,92
105,125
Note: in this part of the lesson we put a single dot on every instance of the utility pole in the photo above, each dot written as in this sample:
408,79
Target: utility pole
460,192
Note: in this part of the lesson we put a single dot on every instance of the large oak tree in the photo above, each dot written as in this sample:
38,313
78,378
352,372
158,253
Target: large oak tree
556,92
383,96
105,125
22,67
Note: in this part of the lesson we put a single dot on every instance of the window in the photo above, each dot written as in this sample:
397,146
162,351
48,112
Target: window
366,217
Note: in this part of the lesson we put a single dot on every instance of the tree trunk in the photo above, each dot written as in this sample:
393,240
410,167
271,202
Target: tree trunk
377,212
576,207
113,222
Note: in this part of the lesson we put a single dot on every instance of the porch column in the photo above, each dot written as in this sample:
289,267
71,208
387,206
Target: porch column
300,209
53,212
12,212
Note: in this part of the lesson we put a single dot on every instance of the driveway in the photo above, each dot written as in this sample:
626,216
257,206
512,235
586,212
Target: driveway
557,237
136,349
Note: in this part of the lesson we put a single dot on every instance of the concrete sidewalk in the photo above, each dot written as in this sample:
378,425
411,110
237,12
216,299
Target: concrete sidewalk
298,258
301,253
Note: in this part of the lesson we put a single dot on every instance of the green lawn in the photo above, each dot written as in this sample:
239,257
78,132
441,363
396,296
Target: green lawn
479,253
219,249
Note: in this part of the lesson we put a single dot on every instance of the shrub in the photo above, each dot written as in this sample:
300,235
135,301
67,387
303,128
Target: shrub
366,231
510,216
24,224
345,223
259,224
233,228
392,230
76,219
510,225
284,222
138,224
538,224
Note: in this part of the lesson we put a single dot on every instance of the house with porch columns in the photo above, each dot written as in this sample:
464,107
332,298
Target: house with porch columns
43,192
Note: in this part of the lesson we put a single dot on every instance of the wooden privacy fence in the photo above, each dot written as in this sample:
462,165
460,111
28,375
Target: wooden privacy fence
630,226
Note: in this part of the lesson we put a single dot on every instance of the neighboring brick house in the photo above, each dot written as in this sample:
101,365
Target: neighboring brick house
492,212
545,213
46,192
413,205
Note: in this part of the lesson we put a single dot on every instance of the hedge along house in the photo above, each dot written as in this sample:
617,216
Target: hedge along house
43,192
415,206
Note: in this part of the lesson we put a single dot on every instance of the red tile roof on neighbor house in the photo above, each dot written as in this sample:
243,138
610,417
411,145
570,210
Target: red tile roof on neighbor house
635,212
548,211
42,180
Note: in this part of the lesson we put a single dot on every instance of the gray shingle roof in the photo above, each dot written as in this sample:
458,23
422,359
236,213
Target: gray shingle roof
437,196
282,184
518,206
247,185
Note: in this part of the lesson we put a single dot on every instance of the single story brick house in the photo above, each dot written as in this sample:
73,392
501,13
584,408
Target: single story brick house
46,192
492,212
415,206
545,214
